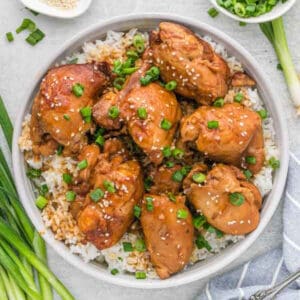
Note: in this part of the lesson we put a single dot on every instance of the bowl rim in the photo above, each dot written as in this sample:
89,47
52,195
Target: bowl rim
269,16
221,261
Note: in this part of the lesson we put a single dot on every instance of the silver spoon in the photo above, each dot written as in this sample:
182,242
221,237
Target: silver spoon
272,292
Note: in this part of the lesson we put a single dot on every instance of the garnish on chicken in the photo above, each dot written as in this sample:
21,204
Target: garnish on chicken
227,200
231,134
201,74
168,229
61,113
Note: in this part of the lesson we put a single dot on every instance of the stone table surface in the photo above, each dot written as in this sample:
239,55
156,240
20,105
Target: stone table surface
19,61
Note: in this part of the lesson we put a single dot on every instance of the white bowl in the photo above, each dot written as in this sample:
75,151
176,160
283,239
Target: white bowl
45,9
277,11
268,93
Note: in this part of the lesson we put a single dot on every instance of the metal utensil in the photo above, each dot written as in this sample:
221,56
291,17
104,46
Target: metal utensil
272,292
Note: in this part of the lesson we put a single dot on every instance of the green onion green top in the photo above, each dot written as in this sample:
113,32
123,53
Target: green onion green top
41,202
199,221
148,183
113,112
263,113
177,176
137,211
140,245
251,160
33,173
170,164
139,43
82,164
70,196
86,113
140,275
165,124
9,36
212,12
100,140
149,203
44,189
127,247
77,89
238,97
274,163
199,177
167,152
182,214
67,117
178,153
172,197
248,174
201,243
96,194
114,271
236,199
109,186
219,102
213,124
171,85
67,178
142,113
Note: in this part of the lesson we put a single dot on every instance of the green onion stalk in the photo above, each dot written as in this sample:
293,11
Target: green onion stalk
275,33
22,250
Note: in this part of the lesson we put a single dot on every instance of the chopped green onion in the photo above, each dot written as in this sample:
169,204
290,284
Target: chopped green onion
165,124
82,164
177,176
119,83
9,36
109,186
212,12
100,140
140,275
149,203
238,97
201,243
274,163
148,183
170,164
127,247
86,113
236,199
33,173
142,113
132,54
73,61
214,230
251,160
185,170
145,80
35,37
70,196
242,24
41,202
219,102
137,211
199,221
171,85
67,178
44,189
151,75
213,124
167,152
178,153
248,174
199,177
59,150
172,197
96,194
26,24
140,245
78,89
263,113
139,43
182,214
114,271
113,112
67,117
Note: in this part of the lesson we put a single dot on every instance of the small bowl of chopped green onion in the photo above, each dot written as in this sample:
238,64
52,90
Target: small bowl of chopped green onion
253,11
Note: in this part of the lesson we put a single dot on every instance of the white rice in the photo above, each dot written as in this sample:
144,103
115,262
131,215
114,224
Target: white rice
54,166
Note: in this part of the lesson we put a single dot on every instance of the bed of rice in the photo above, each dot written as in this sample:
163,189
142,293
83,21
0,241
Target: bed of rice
56,215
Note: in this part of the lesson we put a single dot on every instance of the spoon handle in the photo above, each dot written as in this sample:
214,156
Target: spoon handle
262,294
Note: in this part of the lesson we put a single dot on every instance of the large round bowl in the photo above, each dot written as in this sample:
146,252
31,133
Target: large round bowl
201,269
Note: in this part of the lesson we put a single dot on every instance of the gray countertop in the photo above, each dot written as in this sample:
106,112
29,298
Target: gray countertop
19,61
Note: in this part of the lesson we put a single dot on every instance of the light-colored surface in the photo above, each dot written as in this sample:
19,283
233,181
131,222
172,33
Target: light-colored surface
57,12
280,9
20,61
210,265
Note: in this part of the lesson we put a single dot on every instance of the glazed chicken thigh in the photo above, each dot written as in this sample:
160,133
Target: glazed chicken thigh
168,231
56,117
227,200
200,73
231,134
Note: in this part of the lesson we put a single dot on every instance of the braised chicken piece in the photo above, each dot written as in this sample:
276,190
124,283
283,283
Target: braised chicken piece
231,134
168,231
116,190
240,79
152,115
200,73
227,200
56,117
101,112
162,180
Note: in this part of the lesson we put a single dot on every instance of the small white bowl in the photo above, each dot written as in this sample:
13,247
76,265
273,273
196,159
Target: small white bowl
277,11
201,269
52,11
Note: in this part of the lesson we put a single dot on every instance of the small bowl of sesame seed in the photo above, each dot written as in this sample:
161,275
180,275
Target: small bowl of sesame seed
65,9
